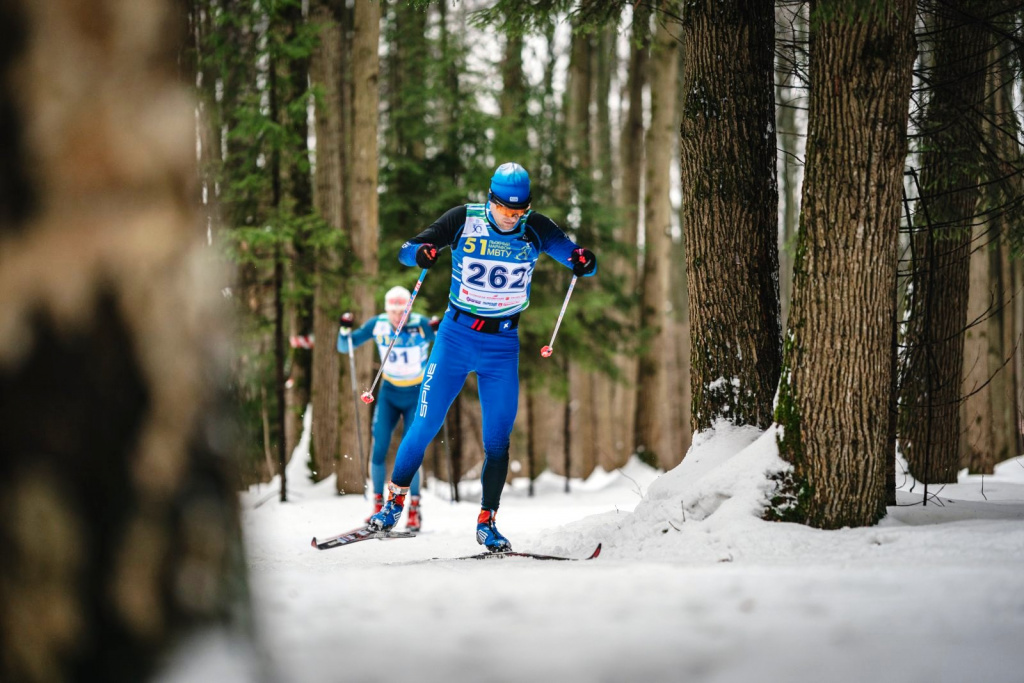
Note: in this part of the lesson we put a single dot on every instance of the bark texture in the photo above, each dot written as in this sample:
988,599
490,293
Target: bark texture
729,210
118,519
931,392
833,406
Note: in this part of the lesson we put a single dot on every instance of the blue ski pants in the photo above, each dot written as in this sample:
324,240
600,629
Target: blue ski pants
458,351
392,402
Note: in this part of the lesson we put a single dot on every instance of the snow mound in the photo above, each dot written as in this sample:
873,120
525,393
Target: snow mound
722,476
722,485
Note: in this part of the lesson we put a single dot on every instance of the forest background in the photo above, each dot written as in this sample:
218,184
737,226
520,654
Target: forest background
602,106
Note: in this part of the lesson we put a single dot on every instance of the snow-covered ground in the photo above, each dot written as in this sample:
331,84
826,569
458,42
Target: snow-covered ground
690,586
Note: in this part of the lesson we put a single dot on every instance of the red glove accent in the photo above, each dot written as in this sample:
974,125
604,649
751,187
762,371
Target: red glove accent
583,261
426,255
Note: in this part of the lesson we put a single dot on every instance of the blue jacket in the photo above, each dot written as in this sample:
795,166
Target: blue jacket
491,270
408,356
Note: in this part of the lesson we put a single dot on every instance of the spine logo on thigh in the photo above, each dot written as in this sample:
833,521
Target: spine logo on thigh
425,389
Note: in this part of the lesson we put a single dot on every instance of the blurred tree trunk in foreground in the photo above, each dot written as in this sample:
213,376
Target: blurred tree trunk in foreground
119,525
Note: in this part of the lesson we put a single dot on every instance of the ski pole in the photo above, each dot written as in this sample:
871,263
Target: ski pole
355,412
547,350
367,396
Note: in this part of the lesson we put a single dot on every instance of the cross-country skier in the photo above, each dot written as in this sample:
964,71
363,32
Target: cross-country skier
402,374
495,247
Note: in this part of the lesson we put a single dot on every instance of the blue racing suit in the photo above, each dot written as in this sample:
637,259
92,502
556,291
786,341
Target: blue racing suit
400,387
490,286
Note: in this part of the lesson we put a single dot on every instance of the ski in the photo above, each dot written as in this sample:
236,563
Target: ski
363,533
534,556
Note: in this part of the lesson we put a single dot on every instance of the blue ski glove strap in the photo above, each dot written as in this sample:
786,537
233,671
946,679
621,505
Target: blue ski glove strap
426,255
583,262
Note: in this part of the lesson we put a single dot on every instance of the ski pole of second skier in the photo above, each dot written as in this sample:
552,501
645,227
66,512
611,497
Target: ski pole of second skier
367,396
355,413
548,350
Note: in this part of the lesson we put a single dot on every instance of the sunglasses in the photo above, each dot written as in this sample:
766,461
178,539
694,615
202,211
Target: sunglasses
505,212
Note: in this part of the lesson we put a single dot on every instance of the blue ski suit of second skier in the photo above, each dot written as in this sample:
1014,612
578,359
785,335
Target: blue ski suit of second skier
490,286
400,387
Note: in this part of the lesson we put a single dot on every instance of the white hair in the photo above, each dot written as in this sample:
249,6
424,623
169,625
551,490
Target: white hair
396,299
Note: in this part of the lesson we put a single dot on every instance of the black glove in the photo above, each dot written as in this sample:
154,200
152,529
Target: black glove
583,262
426,255
346,321
435,322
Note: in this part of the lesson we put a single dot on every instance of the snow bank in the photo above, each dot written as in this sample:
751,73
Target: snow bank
722,485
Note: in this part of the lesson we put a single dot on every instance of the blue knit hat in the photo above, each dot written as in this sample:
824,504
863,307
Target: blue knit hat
510,186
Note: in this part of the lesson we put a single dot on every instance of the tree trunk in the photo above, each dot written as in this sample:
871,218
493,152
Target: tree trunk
653,424
977,409
297,188
584,443
729,207
833,405
1001,129
363,214
328,197
120,528
631,163
604,412
930,421
679,392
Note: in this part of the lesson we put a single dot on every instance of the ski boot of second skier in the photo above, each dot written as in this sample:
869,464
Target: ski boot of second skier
488,535
415,519
388,517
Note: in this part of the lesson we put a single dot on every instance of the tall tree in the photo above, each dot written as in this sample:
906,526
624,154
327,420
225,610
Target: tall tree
834,395
653,422
990,376
612,452
363,210
578,133
631,165
326,67
930,405
291,68
729,210
120,530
